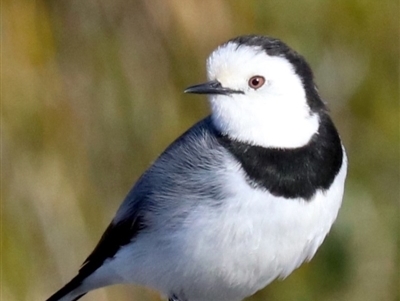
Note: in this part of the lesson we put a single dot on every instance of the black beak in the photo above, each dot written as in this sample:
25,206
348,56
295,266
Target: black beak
211,87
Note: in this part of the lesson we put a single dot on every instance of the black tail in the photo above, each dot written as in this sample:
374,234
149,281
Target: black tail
114,237
66,289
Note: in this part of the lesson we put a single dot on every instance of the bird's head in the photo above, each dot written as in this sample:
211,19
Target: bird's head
261,92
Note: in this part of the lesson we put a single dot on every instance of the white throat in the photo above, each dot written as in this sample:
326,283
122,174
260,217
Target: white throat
282,127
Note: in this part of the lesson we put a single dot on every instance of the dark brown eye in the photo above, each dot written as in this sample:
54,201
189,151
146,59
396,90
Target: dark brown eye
256,82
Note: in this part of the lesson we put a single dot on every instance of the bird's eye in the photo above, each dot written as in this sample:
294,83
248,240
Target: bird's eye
256,82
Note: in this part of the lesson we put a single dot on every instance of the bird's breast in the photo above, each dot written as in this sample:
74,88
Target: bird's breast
255,237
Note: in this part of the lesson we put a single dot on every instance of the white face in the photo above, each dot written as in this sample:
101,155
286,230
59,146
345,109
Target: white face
273,115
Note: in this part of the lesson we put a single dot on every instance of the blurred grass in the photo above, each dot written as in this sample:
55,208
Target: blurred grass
92,93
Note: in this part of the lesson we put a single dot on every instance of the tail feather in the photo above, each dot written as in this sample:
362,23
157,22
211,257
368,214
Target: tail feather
79,297
116,236
69,292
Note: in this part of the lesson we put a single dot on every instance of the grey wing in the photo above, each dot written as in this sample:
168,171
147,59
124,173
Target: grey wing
187,174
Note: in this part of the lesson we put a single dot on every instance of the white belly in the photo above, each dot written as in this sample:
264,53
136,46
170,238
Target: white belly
259,237
235,249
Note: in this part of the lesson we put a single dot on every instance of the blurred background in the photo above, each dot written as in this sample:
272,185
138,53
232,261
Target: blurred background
92,93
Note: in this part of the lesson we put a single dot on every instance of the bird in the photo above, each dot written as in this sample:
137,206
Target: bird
243,197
